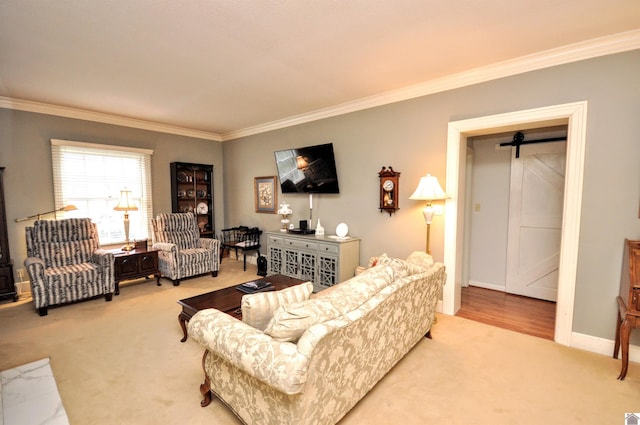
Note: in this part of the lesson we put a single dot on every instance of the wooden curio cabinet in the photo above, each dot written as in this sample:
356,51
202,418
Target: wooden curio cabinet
192,191
7,282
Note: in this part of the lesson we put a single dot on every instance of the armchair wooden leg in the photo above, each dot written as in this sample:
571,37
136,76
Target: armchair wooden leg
214,273
176,282
43,311
108,297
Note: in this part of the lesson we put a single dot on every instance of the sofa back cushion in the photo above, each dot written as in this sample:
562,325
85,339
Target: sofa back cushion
258,309
180,229
289,322
401,268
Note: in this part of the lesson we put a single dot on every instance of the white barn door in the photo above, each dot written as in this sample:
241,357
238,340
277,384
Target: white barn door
535,220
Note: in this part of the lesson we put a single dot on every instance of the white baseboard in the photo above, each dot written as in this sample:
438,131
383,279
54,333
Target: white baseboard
602,346
485,285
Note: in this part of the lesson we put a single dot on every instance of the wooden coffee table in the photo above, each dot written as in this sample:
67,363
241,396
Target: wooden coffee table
226,300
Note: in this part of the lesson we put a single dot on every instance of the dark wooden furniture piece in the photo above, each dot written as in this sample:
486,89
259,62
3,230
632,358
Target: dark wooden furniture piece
227,300
135,264
628,302
242,238
192,191
7,282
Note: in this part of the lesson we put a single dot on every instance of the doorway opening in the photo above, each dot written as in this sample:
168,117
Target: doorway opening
512,234
574,116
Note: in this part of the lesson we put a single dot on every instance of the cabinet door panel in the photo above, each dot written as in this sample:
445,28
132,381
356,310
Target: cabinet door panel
307,266
327,270
290,263
148,263
128,266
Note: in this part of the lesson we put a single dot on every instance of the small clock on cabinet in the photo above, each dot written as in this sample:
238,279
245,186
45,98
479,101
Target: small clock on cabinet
389,190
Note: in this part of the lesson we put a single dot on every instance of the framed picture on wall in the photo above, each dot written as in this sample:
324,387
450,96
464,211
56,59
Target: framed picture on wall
266,195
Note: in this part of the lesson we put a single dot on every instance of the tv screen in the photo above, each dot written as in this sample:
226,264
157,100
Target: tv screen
311,169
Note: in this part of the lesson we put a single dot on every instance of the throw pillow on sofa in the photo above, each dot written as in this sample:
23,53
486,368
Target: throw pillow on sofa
258,309
420,258
291,321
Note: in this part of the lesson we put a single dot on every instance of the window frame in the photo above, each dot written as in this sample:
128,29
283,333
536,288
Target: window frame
79,185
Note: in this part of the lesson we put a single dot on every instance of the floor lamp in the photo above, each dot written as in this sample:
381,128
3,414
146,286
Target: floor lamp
429,190
37,216
126,205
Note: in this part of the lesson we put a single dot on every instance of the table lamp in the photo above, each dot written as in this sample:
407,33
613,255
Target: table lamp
126,205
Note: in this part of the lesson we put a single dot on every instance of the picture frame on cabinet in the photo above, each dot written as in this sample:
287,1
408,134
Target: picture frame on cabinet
265,194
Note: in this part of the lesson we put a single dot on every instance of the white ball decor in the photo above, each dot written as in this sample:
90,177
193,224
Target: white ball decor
341,230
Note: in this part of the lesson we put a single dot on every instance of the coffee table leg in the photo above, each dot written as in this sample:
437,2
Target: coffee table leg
183,319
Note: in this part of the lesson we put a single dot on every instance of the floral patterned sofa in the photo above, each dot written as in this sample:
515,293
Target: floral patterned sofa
319,354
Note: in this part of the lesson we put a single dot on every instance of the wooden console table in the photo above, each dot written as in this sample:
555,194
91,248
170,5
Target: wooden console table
628,302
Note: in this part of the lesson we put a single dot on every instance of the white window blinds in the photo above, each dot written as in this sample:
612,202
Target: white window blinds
91,176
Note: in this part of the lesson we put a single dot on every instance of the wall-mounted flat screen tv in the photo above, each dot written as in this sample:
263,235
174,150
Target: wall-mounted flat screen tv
310,169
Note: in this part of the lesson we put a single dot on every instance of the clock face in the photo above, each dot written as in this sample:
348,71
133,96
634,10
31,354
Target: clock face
202,208
388,185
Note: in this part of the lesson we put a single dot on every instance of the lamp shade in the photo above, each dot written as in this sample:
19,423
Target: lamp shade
125,203
301,163
429,190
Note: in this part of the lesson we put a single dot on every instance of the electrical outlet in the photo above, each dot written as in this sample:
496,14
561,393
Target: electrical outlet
21,275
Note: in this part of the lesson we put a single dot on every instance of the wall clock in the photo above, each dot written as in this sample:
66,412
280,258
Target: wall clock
389,190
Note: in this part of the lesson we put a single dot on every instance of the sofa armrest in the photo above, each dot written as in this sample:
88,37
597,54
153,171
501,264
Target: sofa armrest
35,267
209,243
105,259
276,363
165,246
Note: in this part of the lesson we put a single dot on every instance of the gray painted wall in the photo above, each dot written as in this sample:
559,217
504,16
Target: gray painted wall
411,137
25,151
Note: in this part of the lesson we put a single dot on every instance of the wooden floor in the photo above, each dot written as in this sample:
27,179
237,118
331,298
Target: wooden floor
521,314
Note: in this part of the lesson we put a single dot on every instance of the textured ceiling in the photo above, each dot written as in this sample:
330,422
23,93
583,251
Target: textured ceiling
222,66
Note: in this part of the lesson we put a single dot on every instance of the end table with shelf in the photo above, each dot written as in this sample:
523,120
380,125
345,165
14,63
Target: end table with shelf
135,264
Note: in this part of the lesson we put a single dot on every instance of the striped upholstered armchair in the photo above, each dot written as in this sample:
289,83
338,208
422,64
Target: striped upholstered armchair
65,263
181,251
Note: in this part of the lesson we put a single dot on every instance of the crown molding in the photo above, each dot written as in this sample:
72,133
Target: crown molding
81,114
602,46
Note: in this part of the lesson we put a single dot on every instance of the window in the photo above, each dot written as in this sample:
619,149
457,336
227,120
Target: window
91,176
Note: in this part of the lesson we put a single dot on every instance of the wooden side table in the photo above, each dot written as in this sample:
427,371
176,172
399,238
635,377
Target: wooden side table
135,264
628,302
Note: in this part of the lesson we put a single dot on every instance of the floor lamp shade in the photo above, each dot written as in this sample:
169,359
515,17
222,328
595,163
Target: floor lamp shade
126,204
429,190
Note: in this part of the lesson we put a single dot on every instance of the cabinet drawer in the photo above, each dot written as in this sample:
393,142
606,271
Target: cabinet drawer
328,249
311,246
274,240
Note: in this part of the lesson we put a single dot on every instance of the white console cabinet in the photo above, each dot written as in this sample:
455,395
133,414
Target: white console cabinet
323,260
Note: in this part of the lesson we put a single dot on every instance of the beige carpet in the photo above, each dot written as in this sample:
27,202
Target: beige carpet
122,363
